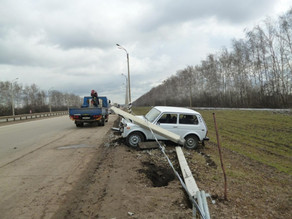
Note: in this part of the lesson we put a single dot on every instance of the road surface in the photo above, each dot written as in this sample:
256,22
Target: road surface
40,161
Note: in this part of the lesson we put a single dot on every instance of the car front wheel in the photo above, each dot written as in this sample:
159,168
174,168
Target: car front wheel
134,139
192,142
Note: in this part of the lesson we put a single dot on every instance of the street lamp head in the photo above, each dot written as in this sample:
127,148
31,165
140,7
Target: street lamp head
120,47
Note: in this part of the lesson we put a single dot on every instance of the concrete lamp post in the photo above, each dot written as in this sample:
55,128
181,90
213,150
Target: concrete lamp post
129,85
127,91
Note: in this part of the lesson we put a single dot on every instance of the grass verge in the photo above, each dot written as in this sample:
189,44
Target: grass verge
265,137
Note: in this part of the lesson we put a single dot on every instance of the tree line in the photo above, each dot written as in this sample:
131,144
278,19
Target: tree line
31,99
255,72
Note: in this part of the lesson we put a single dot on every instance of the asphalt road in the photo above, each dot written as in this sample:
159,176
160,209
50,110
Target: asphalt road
40,161
16,140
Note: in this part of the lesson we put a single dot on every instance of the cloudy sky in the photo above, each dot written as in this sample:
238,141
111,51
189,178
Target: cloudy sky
70,45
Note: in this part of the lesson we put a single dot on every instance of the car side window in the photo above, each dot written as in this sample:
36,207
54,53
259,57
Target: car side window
168,118
188,119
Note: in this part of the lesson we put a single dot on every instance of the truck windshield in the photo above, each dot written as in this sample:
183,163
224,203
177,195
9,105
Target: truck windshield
152,114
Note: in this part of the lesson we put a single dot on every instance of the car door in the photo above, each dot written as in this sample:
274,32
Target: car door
187,124
168,121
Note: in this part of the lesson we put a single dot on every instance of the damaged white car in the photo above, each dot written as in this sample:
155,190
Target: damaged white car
186,123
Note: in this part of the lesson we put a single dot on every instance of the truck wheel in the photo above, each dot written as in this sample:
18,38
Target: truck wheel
134,139
79,124
192,142
102,122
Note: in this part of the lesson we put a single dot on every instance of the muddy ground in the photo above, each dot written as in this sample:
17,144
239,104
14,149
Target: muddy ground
121,182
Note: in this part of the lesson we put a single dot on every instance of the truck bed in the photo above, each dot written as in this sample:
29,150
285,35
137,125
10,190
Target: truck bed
87,111
88,115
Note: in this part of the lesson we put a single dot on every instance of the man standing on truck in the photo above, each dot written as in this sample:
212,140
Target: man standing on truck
94,96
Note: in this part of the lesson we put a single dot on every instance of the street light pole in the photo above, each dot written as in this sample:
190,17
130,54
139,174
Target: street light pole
127,92
129,85
12,96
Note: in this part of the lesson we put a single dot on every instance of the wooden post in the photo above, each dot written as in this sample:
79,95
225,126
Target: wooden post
221,159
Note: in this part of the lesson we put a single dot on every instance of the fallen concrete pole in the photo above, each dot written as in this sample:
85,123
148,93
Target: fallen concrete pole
191,185
187,174
145,124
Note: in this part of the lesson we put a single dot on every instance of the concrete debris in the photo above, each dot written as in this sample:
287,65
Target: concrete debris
130,213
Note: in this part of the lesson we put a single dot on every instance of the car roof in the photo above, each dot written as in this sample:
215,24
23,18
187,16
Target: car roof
171,109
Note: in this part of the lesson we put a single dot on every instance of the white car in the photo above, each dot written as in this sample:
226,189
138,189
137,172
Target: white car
184,122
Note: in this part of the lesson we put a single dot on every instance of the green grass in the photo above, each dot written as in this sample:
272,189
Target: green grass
259,135
262,136
141,110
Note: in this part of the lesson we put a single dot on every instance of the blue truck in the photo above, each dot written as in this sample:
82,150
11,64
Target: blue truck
88,113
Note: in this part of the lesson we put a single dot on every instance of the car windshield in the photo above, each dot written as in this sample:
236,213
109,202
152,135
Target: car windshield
152,114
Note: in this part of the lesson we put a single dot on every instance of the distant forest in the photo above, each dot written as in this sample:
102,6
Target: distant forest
255,72
31,98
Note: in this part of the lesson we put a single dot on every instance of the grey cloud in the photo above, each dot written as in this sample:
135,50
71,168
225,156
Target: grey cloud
69,27
71,43
76,39
173,12
79,37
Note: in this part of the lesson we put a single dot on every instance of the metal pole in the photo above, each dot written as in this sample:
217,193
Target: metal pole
221,159
205,204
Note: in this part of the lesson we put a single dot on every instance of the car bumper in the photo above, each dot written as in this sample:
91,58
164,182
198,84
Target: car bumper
115,129
85,120
119,131
206,139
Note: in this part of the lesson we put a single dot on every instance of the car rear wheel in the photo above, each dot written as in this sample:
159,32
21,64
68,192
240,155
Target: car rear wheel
134,139
192,142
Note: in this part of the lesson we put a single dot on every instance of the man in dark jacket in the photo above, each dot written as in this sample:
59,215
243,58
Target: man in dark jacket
94,96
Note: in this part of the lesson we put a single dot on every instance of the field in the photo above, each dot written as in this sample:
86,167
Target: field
257,154
122,182
262,136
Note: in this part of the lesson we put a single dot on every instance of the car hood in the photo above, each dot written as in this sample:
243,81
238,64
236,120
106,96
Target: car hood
142,117
130,122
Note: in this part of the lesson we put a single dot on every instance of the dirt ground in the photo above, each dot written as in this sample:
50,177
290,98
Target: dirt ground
121,182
